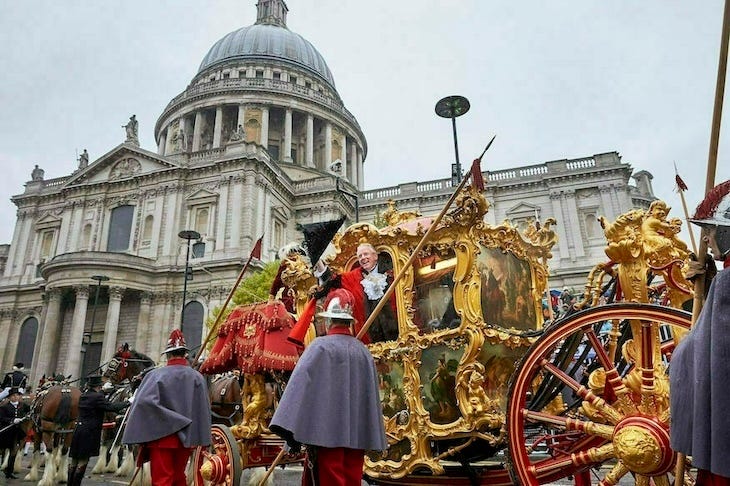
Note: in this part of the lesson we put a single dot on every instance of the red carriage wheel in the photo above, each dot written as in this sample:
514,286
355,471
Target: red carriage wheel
219,464
612,421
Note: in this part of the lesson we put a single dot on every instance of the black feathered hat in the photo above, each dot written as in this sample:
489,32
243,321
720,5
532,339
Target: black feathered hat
317,236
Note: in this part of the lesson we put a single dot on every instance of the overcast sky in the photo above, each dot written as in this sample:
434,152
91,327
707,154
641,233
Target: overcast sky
553,80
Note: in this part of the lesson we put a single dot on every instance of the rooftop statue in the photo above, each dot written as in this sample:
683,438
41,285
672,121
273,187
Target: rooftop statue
37,174
131,128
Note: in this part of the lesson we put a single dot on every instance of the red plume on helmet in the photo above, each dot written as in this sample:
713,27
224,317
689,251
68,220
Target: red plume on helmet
714,210
176,341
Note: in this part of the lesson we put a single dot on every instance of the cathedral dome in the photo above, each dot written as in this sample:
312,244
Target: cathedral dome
268,42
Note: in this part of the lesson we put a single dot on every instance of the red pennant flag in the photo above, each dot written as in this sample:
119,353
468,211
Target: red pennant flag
476,175
256,252
680,183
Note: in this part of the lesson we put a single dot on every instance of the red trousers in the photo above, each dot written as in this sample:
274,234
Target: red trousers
335,467
706,478
168,459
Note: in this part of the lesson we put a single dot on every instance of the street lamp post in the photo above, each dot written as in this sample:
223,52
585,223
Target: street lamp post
352,195
452,107
98,279
186,235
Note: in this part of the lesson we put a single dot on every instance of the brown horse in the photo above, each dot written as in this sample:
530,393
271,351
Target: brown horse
127,364
225,399
54,413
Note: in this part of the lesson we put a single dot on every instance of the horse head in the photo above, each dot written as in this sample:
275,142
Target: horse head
125,364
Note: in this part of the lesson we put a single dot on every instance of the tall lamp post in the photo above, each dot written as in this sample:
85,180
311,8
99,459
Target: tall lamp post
98,279
187,235
453,107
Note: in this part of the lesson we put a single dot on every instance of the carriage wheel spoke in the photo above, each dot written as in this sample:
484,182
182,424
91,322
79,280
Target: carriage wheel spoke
590,428
614,475
583,458
648,389
605,409
613,379
642,480
662,480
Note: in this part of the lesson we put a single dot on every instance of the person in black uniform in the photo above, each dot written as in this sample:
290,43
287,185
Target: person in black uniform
16,378
12,415
86,440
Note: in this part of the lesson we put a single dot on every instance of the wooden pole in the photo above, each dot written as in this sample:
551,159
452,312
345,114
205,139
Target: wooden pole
276,462
402,273
217,321
709,184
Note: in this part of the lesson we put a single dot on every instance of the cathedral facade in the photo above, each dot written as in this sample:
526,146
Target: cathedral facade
259,141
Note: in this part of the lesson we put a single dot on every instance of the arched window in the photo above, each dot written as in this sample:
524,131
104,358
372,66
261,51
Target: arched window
26,342
120,228
193,323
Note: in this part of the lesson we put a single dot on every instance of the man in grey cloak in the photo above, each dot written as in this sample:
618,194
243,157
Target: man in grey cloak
331,402
170,415
700,367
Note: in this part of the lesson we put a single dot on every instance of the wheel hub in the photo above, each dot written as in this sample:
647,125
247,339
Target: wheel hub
215,469
643,446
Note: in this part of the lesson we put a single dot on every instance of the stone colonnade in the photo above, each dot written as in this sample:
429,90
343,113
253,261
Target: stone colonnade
155,310
193,132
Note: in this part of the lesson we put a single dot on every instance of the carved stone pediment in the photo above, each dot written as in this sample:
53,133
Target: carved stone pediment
122,163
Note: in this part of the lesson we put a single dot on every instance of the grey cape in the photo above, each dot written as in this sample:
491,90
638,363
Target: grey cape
700,384
332,398
172,399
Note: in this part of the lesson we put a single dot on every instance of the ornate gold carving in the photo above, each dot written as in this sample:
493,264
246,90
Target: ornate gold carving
254,408
394,217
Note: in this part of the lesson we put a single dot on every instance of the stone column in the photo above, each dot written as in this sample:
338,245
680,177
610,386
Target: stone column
353,164
6,351
220,234
241,116
218,127
556,201
360,176
287,135
15,246
109,345
197,130
607,209
237,202
45,364
76,336
168,136
143,323
577,235
264,127
310,141
161,143
327,146
249,216
343,154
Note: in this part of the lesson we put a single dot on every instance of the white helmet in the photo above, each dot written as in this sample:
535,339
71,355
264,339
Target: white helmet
338,305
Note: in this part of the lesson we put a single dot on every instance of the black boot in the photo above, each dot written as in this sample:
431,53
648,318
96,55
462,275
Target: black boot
71,473
79,475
